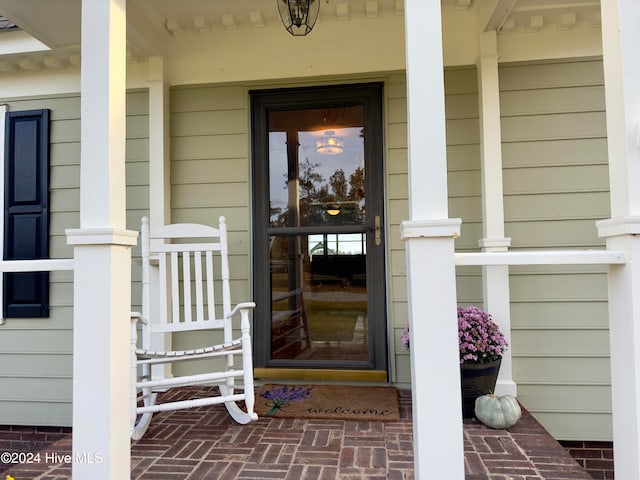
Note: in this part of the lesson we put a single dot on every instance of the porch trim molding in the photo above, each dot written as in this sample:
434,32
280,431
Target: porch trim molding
494,244
159,190
613,227
101,236
621,49
495,278
159,144
449,227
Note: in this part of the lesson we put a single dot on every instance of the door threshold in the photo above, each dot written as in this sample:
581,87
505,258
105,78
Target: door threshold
320,374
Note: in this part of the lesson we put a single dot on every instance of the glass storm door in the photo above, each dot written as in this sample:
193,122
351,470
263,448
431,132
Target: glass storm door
319,249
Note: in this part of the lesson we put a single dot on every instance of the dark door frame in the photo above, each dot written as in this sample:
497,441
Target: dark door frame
370,95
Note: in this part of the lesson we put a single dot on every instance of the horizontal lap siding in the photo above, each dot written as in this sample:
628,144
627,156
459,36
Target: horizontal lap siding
463,174
464,189
210,174
210,157
556,186
36,361
397,206
137,180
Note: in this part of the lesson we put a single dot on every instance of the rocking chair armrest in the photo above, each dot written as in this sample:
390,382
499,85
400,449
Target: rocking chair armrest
135,316
241,306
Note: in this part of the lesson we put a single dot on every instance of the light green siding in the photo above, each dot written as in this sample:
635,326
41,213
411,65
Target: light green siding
210,177
463,173
397,206
36,354
463,170
210,159
556,186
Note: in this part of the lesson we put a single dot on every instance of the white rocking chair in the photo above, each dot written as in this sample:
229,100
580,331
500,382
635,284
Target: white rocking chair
188,302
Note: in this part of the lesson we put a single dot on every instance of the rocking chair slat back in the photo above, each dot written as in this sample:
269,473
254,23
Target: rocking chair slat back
188,271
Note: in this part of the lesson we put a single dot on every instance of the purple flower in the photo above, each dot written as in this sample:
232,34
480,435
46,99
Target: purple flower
281,394
405,338
479,337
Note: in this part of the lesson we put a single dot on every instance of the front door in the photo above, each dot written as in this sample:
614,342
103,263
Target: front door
319,248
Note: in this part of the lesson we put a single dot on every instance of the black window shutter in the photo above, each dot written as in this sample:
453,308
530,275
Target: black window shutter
26,211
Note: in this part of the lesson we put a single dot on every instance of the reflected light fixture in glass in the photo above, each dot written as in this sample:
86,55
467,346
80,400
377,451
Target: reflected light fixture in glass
333,209
329,144
298,16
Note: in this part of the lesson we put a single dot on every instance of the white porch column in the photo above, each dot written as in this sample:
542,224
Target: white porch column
159,186
102,254
429,236
159,166
495,278
621,50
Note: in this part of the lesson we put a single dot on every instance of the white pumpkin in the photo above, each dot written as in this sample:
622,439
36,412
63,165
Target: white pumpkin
498,412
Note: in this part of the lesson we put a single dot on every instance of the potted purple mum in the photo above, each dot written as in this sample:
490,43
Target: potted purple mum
481,345
479,338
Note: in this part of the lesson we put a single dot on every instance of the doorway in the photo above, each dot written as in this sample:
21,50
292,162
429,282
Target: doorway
319,277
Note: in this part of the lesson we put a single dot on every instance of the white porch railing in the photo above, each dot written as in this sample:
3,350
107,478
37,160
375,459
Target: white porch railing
44,265
541,257
505,259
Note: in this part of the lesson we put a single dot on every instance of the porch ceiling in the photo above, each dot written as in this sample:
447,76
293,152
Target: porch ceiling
532,15
152,23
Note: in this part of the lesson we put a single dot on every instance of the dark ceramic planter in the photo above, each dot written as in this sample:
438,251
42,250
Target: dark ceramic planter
477,379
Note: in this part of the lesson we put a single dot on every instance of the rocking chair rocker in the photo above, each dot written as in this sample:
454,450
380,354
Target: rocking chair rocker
187,303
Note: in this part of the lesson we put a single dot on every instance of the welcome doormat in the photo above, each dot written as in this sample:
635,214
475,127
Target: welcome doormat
341,402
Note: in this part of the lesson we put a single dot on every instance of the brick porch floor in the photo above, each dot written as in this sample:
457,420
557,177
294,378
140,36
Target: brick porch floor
205,444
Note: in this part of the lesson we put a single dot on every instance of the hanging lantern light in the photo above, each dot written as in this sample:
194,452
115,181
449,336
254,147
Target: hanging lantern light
298,16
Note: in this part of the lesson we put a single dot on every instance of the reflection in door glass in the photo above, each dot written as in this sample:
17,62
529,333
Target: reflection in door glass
337,244
316,170
319,300
318,278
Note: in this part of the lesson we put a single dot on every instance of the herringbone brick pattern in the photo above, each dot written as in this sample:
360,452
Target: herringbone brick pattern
205,444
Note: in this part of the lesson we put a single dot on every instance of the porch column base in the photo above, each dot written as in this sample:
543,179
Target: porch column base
623,234
495,284
101,361
435,366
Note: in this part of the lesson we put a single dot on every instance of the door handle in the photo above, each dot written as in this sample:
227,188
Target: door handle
377,234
